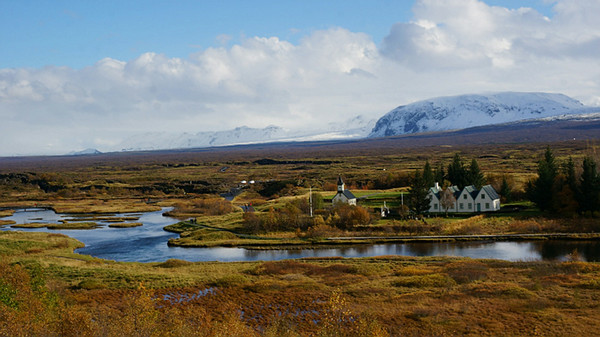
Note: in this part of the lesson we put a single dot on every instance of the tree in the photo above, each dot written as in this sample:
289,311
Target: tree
418,197
439,174
428,177
474,175
505,191
317,200
457,174
447,200
541,190
571,177
589,188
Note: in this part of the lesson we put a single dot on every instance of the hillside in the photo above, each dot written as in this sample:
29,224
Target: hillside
465,111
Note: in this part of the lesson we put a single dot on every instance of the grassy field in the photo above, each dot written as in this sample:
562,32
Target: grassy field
56,291
46,289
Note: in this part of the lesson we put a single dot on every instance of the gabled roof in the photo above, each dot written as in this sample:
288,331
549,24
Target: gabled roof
436,192
471,190
455,191
347,194
490,191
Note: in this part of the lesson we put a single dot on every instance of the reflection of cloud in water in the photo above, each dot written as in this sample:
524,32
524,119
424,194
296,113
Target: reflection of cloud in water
148,243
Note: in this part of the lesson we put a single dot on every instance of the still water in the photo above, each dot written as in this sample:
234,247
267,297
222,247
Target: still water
148,243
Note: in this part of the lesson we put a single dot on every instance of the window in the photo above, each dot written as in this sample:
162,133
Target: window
435,206
462,206
465,196
470,206
482,196
487,205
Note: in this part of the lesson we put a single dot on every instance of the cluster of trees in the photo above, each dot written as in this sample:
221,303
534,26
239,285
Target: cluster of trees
294,215
457,174
560,188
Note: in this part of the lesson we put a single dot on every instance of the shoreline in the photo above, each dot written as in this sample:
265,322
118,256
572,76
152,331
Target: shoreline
341,242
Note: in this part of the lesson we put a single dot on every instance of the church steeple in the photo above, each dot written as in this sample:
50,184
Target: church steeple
341,186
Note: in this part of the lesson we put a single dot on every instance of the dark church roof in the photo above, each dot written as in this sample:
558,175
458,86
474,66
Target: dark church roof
347,194
340,181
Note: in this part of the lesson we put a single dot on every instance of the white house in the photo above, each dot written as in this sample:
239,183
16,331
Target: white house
343,195
487,200
467,200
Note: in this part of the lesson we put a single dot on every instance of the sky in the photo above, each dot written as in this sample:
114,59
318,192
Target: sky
88,74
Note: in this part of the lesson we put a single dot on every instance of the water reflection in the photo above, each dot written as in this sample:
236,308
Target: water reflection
148,243
589,250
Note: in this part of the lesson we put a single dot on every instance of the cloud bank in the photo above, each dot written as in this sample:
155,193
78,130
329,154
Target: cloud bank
450,47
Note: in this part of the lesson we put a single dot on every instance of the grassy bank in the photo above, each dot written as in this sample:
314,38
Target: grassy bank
49,288
227,231
67,225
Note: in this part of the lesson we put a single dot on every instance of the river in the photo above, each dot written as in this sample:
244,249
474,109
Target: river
148,243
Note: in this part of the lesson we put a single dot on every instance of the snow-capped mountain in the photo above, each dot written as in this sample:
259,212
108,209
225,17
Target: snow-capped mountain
356,127
85,152
166,140
465,111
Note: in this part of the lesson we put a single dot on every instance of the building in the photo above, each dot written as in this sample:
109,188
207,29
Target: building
343,195
467,200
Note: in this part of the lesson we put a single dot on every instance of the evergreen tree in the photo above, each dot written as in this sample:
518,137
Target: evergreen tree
474,175
428,177
541,190
505,191
457,173
418,197
589,189
569,172
439,174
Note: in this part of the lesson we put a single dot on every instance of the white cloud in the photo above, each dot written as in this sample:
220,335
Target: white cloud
450,47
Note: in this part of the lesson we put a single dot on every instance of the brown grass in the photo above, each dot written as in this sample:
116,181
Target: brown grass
125,224
6,222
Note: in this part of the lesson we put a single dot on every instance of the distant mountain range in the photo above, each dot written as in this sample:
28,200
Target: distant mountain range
461,112
85,152
357,127
470,113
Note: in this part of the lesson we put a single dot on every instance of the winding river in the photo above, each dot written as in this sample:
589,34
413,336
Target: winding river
148,243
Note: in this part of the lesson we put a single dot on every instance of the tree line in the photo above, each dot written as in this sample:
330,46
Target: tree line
562,189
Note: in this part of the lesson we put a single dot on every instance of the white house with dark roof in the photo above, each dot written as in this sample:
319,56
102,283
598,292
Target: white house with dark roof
467,200
487,200
343,195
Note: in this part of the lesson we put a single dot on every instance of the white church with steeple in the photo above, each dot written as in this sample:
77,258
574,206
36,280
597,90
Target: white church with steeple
343,195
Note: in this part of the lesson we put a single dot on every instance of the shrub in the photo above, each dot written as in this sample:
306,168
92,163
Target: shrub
230,281
425,281
413,270
466,272
90,285
173,263
322,231
525,226
507,289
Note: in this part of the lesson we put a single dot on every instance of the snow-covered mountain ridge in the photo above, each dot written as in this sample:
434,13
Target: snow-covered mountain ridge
356,127
465,111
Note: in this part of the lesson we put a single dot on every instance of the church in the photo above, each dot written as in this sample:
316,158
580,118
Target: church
343,195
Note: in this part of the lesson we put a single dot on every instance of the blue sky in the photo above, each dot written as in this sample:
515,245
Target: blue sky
93,74
78,33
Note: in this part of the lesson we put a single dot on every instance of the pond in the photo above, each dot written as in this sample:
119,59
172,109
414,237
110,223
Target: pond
148,243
